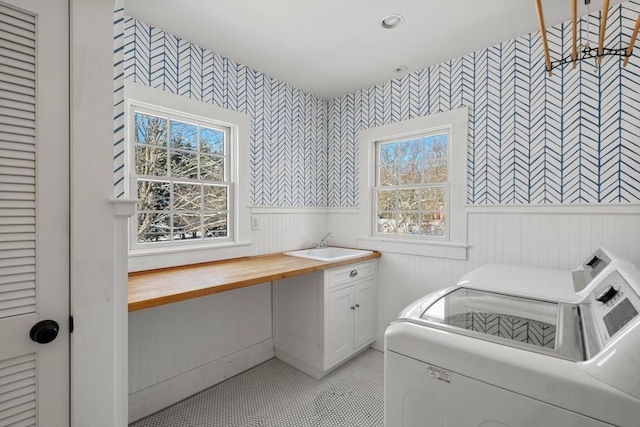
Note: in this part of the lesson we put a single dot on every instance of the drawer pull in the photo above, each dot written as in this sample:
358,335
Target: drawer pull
353,273
357,305
353,308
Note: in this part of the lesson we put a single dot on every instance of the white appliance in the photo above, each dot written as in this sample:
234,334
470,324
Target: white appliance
519,346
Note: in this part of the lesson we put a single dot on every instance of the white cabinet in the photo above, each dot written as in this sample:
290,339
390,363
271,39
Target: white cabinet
322,319
351,319
364,320
340,324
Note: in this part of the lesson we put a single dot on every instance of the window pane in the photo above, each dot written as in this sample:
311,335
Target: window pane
151,161
215,226
184,164
388,152
433,224
412,178
386,222
435,171
211,168
408,200
215,198
410,151
186,197
408,223
153,195
435,146
153,227
150,129
186,226
211,141
433,199
410,173
386,200
388,175
184,135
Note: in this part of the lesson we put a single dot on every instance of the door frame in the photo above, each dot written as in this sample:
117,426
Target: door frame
99,353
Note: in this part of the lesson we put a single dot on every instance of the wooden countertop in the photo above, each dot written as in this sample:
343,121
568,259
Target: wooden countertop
163,286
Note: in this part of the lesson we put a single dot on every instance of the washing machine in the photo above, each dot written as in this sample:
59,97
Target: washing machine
519,346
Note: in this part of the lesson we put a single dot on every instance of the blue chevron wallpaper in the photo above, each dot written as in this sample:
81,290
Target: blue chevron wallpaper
118,98
289,132
572,138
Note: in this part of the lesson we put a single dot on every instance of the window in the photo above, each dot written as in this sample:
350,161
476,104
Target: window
188,166
413,186
181,177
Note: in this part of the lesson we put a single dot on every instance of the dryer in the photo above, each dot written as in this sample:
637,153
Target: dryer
520,346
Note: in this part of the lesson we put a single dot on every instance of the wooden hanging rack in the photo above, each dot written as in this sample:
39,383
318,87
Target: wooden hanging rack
586,52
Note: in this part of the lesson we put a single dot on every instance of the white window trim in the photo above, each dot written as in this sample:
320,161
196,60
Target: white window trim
456,246
446,185
229,179
241,243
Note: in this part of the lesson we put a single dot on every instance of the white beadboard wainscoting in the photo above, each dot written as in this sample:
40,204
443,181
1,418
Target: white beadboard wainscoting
179,349
559,237
286,229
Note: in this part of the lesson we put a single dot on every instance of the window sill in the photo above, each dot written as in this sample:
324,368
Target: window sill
148,259
429,249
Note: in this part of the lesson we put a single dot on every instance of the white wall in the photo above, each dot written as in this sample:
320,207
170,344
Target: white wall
548,237
179,349
282,229
97,361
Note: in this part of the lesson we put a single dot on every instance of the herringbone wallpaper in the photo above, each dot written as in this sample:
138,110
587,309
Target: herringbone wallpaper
289,126
572,138
533,139
118,99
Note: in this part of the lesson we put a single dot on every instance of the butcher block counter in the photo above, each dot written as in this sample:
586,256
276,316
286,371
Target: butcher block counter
153,288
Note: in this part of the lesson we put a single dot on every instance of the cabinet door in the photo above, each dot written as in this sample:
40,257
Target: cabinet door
340,324
364,315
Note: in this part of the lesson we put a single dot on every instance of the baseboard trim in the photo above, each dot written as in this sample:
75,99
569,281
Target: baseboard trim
299,365
159,396
312,370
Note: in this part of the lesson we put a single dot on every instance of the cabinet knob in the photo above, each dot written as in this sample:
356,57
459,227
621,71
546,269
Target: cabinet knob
353,273
353,308
357,305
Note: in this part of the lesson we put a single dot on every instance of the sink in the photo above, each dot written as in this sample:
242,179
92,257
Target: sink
329,254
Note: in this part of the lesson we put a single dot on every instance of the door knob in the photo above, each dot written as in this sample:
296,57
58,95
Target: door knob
44,331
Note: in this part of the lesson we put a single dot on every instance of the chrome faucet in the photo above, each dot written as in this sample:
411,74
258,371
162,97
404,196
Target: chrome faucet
323,242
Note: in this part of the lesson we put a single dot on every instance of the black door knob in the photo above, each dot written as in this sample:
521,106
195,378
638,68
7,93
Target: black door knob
44,331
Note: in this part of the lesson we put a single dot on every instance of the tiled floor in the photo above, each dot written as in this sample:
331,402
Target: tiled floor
276,394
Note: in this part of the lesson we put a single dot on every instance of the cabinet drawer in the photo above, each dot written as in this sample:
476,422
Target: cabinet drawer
351,273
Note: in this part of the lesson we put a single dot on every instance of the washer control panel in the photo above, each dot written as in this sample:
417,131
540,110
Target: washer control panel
614,305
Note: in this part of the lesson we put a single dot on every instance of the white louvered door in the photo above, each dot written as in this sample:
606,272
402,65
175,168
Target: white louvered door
34,210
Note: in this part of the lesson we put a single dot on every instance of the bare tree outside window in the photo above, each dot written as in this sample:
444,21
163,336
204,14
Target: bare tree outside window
180,174
412,186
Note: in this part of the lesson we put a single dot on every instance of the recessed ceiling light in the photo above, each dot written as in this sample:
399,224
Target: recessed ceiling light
391,21
400,69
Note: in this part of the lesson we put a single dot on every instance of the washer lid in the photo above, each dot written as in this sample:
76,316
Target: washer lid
535,325
540,283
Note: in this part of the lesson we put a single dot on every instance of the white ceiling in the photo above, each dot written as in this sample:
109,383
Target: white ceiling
333,47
